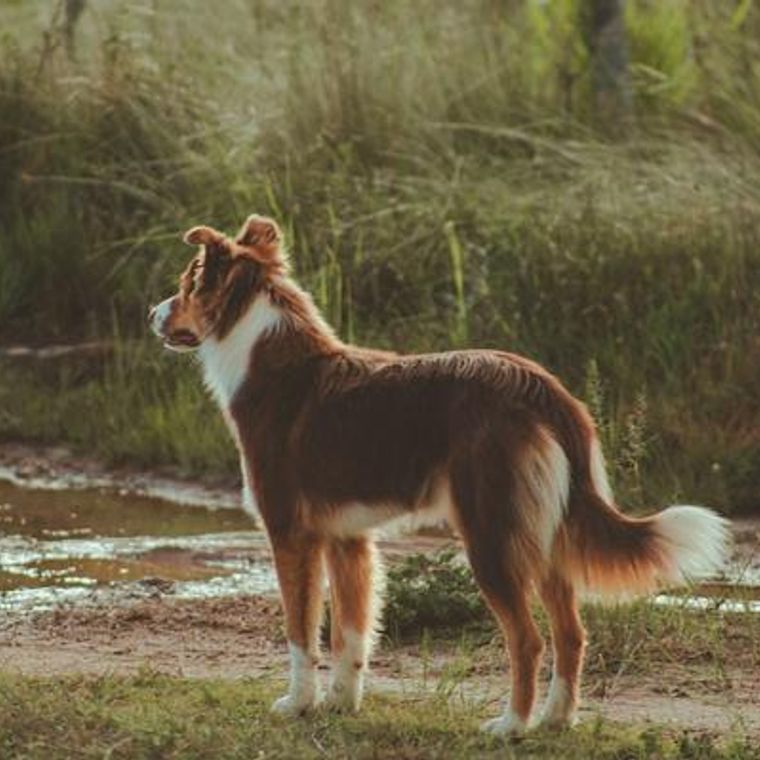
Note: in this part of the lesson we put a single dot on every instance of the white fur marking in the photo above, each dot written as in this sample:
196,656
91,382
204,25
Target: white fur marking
358,519
543,485
599,472
695,540
248,496
226,362
160,315
348,670
559,709
508,724
377,596
304,687
437,510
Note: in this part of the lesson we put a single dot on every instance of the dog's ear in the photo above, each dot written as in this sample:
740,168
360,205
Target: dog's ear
263,239
215,243
203,236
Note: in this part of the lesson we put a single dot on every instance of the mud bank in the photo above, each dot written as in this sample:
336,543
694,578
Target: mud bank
58,468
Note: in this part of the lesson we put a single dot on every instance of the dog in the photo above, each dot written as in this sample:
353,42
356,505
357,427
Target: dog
336,440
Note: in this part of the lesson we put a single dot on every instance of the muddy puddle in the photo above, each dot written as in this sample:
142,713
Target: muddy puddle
736,593
59,546
104,546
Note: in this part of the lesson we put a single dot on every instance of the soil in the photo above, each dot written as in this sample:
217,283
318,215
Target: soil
242,638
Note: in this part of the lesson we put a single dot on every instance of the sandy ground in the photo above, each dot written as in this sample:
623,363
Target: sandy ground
242,638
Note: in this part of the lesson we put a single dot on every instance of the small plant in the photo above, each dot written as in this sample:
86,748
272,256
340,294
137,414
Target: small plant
634,446
625,437
428,592
456,252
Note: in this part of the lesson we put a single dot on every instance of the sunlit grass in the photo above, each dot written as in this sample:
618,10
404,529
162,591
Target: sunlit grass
157,716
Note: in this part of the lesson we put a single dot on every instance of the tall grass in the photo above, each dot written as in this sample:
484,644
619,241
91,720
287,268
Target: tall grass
443,181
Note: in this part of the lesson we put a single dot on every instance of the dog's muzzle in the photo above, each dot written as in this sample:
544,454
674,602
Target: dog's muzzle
157,316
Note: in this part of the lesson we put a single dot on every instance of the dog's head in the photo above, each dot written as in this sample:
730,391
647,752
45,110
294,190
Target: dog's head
219,283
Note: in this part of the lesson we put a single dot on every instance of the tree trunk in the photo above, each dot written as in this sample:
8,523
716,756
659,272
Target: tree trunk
603,24
73,10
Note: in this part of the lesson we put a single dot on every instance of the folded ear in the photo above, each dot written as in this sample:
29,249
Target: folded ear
203,236
263,237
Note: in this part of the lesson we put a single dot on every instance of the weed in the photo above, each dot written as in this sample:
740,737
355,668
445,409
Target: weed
431,592
435,595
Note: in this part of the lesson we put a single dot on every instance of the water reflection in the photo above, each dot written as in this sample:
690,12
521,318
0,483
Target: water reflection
98,546
73,546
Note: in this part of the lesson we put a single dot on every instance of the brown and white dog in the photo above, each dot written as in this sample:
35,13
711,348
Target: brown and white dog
335,440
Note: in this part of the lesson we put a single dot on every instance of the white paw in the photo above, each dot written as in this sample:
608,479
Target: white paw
292,707
508,724
559,708
554,721
344,699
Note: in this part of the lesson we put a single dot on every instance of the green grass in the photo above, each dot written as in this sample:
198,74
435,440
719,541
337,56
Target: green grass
138,406
153,716
444,692
435,596
442,181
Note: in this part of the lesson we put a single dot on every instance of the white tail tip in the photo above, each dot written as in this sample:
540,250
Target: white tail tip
695,540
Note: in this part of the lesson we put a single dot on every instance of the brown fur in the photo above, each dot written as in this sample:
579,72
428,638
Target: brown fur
298,562
568,634
351,568
323,426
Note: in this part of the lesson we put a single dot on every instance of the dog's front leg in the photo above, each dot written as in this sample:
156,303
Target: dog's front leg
355,589
299,565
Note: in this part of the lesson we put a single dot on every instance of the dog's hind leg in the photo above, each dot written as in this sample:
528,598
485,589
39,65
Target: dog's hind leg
505,507
503,574
298,560
509,600
354,590
569,640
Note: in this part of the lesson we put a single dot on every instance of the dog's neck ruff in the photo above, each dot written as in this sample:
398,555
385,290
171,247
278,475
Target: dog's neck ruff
283,308
226,362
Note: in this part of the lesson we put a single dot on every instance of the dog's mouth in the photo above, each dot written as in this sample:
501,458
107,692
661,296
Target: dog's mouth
182,339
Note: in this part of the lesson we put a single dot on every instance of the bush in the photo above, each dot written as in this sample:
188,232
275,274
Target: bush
432,592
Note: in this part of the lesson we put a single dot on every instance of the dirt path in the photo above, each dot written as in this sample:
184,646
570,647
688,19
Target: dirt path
242,638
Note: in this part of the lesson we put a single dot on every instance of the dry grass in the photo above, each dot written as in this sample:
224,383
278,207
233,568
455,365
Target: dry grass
441,182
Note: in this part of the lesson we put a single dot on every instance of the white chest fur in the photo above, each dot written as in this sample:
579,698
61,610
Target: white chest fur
225,366
226,362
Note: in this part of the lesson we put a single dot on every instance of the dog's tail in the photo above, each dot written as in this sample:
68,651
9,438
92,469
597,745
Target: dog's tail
599,548
592,543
